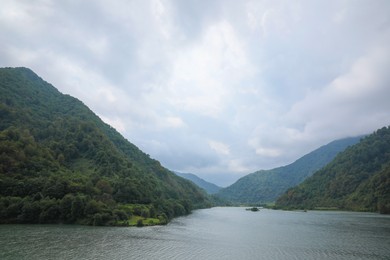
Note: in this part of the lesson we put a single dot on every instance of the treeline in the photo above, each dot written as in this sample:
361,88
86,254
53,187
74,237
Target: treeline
59,163
357,179
84,209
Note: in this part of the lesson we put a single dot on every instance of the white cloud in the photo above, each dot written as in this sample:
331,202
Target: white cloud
349,100
174,122
237,166
268,152
219,147
204,72
162,17
220,88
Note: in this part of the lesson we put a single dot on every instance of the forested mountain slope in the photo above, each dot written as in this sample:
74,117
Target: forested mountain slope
357,179
59,163
266,185
209,187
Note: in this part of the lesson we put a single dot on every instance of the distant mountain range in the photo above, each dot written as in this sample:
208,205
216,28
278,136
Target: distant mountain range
266,185
59,163
209,187
357,179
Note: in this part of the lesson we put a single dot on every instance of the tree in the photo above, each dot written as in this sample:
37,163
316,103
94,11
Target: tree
77,208
140,223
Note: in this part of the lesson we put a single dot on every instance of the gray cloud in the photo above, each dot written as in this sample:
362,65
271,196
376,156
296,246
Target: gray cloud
220,88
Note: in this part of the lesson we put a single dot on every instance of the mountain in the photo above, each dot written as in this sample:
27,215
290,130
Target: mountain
357,179
266,185
59,163
210,188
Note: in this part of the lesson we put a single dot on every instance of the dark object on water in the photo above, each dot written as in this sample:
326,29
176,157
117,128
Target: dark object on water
253,209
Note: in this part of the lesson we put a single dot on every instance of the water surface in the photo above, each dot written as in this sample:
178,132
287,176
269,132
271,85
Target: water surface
217,233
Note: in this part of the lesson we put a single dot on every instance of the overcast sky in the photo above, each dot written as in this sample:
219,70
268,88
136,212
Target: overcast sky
215,88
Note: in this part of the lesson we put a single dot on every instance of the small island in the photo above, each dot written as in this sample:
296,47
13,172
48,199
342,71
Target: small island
254,209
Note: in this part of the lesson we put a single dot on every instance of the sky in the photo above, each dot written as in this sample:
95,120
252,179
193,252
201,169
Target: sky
218,88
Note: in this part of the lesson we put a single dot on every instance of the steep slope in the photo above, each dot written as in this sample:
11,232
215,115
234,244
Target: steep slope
357,179
60,163
209,187
266,185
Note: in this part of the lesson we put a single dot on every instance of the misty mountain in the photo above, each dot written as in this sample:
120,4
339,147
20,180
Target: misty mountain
266,185
357,179
60,163
209,187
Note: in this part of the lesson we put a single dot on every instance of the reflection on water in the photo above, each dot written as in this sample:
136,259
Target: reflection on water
217,233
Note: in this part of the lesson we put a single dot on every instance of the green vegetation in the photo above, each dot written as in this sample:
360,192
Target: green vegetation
357,179
210,188
265,186
59,163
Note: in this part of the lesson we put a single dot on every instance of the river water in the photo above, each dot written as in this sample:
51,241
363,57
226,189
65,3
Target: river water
217,233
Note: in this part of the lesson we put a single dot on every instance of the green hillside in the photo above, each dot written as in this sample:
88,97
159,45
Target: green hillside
357,179
266,185
209,187
59,163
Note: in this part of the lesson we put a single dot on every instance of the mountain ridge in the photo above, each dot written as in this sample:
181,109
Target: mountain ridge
60,163
209,187
357,179
265,186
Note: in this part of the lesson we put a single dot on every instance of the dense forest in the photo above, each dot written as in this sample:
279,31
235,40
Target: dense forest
357,179
266,185
59,163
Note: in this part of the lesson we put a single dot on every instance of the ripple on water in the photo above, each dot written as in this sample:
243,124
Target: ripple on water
218,233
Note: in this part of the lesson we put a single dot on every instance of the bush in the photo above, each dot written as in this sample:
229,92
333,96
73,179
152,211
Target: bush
140,223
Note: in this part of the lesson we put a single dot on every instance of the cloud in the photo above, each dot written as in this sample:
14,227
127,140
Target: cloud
350,100
174,122
219,147
204,72
217,88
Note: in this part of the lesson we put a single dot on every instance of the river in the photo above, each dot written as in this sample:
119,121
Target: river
216,233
